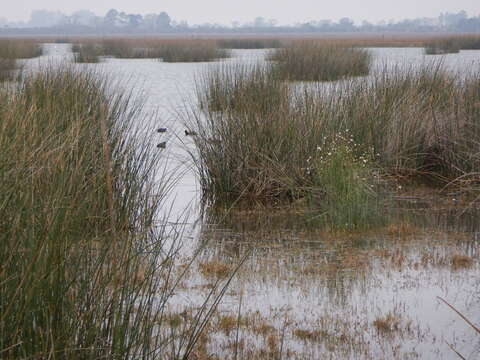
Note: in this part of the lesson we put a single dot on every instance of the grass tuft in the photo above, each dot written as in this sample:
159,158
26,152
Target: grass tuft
86,53
312,61
10,51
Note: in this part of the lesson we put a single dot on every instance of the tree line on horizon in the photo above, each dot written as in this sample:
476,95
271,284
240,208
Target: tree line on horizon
117,21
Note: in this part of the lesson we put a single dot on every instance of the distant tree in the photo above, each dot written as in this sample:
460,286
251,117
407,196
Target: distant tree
135,20
259,22
111,18
45,18
346,24
122,19
83,17
272,22
163,21
150,21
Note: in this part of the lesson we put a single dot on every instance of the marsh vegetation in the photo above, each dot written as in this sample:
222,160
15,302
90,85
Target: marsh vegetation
317,61
85,273
11,51
343,198
167,50
264,141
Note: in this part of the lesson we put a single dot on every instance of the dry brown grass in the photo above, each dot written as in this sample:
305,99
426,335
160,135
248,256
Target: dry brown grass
459,262
215,269
227,324
402,229
388,324
310,335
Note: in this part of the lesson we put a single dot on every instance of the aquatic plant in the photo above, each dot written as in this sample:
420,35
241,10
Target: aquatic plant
316,61
348,196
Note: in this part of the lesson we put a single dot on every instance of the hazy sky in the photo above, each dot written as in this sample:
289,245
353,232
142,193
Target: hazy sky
226,11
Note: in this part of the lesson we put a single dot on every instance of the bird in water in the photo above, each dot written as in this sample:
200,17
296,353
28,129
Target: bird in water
162,130
162,145
190,133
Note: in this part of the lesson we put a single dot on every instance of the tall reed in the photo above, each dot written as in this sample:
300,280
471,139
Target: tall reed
84,272
255,148
315,61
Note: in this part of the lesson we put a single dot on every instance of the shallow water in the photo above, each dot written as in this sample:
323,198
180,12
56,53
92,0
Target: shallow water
302,293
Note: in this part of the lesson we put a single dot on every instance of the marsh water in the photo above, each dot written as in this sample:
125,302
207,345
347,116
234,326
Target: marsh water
303,293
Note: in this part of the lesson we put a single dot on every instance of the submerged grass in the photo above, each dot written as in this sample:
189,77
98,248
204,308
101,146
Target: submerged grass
315,61
260,142
84,273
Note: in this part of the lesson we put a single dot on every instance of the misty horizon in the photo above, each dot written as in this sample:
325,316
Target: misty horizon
225,13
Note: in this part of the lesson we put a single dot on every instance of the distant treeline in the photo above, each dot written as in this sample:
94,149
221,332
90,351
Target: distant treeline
85,21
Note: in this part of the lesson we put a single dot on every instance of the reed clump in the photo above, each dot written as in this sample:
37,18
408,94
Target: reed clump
11,50
240,88
180,50
334,145
20,49
415,122
86,53
250,149
452,44
81,263
249,43
470,42
315,61
118,48
193,51
442,46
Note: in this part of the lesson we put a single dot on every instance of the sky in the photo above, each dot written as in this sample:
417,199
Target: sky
226,11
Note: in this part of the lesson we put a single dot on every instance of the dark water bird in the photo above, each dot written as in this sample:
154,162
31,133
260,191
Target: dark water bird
162,130
190,133
162,145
